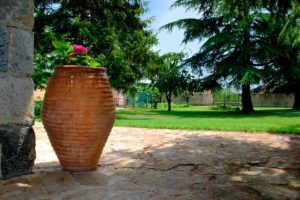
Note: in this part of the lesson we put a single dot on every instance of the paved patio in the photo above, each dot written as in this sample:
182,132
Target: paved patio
170,164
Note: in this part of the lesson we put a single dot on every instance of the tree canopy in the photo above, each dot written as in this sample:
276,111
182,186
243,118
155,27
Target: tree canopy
170,78
287,62
112,30
237,40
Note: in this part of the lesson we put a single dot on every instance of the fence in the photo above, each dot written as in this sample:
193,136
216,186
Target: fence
140,100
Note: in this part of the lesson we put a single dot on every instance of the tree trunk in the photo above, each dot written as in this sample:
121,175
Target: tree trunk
169,105
187,101
296,105
247,106
246,99
168,97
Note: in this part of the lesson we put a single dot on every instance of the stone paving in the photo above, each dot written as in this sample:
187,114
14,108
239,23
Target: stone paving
169,164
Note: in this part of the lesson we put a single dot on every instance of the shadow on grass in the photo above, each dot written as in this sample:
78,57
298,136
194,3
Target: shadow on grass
295,128
211,113
262,120
230,114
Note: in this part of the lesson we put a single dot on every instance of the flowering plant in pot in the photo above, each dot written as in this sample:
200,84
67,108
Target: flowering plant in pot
65,53
78,109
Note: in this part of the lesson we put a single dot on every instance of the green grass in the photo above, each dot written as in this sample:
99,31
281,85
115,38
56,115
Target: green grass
275,120
37,110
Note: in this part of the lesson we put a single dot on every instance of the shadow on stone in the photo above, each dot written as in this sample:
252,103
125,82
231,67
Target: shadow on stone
18,151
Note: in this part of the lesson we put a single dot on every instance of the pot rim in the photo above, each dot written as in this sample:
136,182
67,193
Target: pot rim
80,68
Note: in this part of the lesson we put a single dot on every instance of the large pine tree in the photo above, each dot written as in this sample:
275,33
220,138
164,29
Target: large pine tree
288,61
282,36
236,46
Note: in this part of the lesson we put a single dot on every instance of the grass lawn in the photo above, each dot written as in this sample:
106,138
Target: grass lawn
276,120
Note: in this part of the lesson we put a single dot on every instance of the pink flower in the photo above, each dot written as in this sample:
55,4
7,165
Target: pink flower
79,49
70,58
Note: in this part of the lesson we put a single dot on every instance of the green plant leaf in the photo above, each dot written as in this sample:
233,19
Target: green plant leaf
94,64
70,49
60,45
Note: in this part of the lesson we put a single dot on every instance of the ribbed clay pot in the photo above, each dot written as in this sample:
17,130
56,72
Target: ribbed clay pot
78,114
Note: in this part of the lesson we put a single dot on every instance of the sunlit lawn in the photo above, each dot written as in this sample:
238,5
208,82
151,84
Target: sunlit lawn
211,118
278,120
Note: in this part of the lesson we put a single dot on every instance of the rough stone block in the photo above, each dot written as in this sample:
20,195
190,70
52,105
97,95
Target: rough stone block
16,101
3,49
0,161
18,150
21,51
17,13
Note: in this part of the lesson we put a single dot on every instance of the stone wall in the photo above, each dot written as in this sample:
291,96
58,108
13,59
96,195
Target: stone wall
258,100
17,139
273,100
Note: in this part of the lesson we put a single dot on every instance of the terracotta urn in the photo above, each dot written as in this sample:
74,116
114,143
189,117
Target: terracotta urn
78,114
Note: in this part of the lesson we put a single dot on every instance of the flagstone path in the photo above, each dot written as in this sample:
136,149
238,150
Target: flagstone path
154,164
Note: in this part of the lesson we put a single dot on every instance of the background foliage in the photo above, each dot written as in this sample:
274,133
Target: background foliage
113,31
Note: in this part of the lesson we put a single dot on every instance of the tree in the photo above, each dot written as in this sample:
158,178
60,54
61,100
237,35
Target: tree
283,37
169,77
235,48
288,61
111,29
187,95
225,96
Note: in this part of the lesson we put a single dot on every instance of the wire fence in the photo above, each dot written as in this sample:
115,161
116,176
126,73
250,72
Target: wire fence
139,100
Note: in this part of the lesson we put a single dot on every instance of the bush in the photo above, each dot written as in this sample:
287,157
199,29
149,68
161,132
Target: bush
37,109
226,97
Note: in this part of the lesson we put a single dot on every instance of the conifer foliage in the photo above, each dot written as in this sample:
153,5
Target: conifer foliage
237,40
